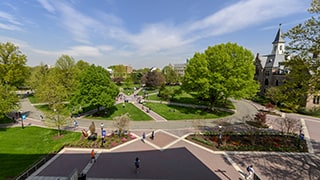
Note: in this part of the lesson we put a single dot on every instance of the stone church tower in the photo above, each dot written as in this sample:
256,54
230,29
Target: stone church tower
270,70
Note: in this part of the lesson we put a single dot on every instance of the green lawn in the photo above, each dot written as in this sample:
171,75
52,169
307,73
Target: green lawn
33,99
45,108
184,98
128,90
171,112
21,148
118,110
148,91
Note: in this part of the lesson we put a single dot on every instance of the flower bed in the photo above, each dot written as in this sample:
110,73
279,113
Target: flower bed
245,142
109,141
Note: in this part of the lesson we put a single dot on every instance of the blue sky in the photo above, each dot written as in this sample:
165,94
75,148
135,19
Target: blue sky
142,33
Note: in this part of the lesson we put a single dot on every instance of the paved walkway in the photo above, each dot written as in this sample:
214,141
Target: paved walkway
170,156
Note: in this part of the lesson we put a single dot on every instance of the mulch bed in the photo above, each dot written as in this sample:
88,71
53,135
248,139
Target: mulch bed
277,143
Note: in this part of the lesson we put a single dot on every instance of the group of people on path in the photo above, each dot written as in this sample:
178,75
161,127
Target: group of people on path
136,162
144,136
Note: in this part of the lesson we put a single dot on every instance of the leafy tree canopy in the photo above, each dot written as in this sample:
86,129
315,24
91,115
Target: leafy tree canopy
66,72
37,76
50,90
153,79
170,74
304,64
8,98
13,68
221,72
95,88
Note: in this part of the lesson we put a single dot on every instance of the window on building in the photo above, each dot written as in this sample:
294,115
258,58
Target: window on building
266,82
267,73
280,48
316,99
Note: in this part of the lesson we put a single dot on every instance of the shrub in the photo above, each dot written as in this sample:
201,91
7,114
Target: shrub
202,141
261,118
270,105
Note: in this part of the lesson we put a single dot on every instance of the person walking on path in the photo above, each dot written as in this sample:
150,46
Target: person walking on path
93,158
75,124
152,135
143,136
137,164
250,171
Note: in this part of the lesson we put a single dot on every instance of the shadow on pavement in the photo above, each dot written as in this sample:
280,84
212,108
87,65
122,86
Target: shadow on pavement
280,166
177,163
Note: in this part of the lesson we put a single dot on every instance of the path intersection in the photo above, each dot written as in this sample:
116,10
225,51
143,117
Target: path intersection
170,156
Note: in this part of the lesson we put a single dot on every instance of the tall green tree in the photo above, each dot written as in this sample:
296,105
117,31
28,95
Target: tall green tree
170,74
297,85
13,68
52,91
119,73
66,72
275,94
37,76
95,88
221,72
137,74
304,64
9,100
56,120
81,65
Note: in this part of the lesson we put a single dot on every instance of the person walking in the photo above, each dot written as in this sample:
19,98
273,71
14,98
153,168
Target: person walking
137,164
143,136
75,123
93,158
250,172
152,135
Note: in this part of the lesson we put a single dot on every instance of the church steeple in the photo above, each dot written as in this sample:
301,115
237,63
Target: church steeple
278,43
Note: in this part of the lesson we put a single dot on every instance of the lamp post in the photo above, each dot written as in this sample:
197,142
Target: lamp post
102,135
220,136
301,136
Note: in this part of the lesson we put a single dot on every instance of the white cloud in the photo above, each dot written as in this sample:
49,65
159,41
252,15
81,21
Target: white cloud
83,51
156,37
243,14
9,22
47,5
163,36
155,43
78,51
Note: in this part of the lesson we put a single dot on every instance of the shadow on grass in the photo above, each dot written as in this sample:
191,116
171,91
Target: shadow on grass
107,113
14,165
200,111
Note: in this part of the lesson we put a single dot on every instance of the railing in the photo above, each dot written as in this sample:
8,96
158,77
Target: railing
35,167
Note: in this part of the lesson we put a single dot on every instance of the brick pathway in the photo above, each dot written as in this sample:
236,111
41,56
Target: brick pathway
166,157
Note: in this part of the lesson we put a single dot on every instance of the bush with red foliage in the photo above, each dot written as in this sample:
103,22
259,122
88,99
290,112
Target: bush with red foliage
270,106
261,118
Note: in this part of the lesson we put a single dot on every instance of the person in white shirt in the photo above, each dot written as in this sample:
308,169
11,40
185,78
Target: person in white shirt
250,171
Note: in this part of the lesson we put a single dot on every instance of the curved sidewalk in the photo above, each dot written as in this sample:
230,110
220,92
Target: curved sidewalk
217,165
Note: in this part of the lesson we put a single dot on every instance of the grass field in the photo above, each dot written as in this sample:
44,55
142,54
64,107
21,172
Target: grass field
134,113
171,112
22,147
45,108
33,99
